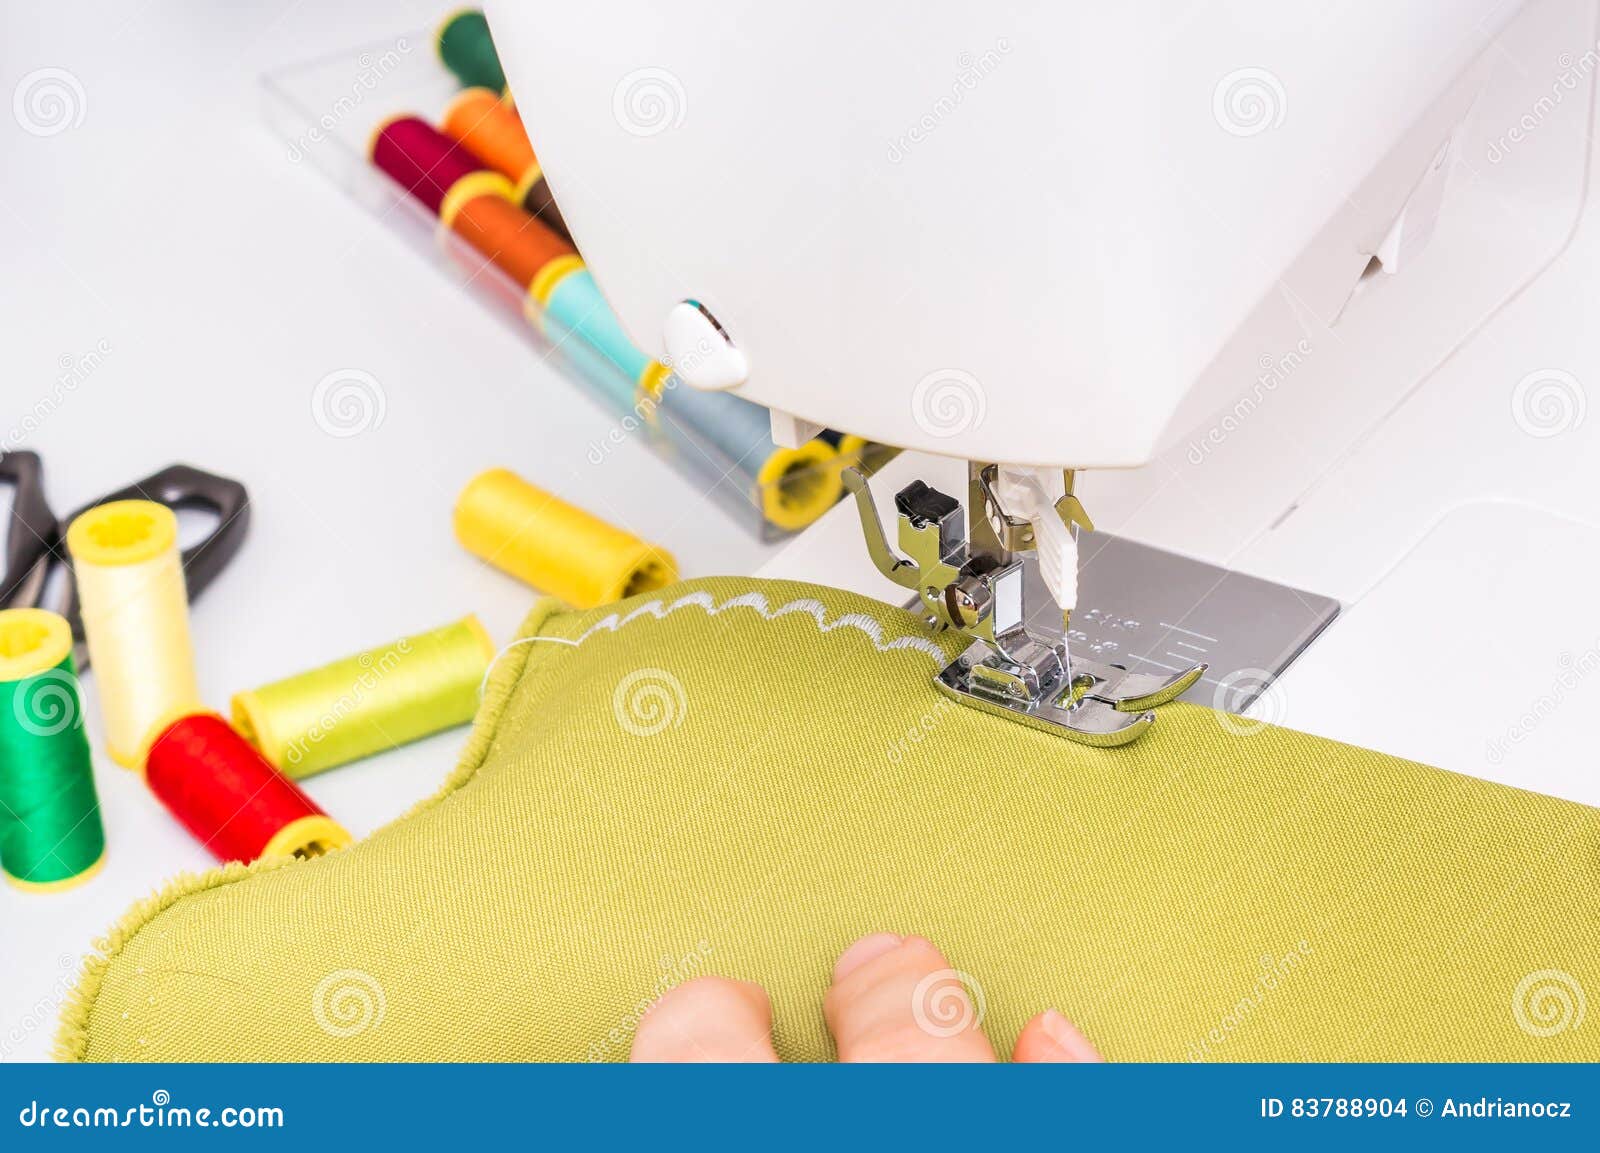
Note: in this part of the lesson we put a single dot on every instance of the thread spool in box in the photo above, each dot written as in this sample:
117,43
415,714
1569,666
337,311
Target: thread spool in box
51,834
515,242
135,618
467,49
554,546
490,129
431,166
566,304
369,702
224,792
793,485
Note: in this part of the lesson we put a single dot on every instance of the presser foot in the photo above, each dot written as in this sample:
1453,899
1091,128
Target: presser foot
1097,705
981,575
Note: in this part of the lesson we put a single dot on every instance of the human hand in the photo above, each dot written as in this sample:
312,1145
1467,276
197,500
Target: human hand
872,1010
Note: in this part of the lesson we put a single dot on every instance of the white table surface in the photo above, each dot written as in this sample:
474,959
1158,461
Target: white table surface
222,281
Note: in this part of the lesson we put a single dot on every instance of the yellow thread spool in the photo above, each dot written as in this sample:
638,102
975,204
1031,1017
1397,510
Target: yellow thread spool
554,546
797,485
135,618
367,703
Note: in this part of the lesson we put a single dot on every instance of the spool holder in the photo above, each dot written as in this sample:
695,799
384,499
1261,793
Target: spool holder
983,579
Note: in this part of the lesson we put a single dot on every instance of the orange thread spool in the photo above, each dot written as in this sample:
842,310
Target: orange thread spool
484,124
224,791
479,120
513,240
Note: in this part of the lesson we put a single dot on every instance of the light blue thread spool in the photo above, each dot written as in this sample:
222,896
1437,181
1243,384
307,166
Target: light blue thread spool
577,311
736,430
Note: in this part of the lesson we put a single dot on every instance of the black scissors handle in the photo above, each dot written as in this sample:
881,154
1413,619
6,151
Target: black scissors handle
34,542
33,535
181,486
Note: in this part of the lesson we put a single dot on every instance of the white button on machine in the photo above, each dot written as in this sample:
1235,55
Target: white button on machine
699,351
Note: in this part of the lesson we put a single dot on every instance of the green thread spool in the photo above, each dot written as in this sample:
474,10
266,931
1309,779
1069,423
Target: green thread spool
51,836
467,49
369,702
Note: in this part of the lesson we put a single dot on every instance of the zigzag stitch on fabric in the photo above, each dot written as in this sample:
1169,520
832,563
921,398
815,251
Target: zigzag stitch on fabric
757,601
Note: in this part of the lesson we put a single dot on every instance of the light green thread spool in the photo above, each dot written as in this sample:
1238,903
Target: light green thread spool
51,836
369,702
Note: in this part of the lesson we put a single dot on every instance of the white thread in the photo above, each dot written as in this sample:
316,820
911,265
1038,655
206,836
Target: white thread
751,600
757,601
483,685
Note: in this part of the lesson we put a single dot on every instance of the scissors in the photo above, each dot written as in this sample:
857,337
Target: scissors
36,543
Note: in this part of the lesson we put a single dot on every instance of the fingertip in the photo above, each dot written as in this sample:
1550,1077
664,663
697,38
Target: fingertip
1050,1038
708,1019
868,948
897,999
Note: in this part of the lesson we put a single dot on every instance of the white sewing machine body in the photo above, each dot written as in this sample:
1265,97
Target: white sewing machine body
1323,273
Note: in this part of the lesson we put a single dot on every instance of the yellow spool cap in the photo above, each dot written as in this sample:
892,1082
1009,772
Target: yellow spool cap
544,283
799,484
307,837
653,380
470,187
554,546
135,618
124,532
63,884
531,176
32,641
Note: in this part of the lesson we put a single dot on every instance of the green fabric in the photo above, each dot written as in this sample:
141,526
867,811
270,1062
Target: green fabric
742,777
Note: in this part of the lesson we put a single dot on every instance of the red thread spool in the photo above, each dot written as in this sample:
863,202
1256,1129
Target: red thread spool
423,160
226,793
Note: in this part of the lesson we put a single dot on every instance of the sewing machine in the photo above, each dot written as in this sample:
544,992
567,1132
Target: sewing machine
1302,287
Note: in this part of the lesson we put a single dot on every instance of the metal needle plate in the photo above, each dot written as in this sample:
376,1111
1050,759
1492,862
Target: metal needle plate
1153,611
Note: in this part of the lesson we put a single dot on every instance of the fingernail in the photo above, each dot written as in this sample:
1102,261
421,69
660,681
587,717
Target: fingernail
1063,1033
868,948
